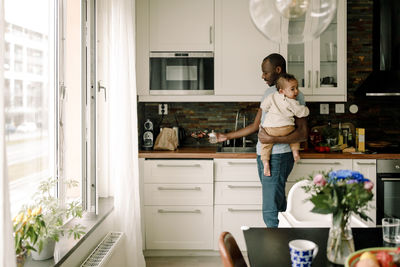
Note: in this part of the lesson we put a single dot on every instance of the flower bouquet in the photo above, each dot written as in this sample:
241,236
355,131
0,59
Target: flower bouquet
340,193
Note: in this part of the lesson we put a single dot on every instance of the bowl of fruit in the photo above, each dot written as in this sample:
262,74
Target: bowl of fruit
374,257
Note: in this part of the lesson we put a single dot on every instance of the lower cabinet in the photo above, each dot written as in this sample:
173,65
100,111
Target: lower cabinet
189,203
178,204
238,198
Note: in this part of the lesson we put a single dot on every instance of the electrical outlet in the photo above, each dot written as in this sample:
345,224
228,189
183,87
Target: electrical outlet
162,109
339,108
324,109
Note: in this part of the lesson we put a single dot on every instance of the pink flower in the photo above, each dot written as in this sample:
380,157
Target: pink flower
368,185
319,180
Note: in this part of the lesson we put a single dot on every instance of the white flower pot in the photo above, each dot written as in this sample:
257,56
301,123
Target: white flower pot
47,251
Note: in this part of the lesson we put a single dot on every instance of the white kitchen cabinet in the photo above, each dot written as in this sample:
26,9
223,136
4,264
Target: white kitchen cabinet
178,204
368,168
181,25
238,198
239,51
320,65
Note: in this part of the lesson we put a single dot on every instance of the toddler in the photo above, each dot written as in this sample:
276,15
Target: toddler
281,107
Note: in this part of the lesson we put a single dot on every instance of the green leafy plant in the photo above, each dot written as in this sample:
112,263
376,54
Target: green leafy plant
28,226
55,214
340,192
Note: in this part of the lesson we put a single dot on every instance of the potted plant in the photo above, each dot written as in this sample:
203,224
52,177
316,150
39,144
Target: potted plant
55,215
27,226
340,193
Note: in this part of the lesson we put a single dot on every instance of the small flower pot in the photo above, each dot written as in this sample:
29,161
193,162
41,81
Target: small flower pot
47,251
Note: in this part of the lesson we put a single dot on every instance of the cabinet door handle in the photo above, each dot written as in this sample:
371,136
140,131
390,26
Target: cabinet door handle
319,163
211,34
317,79
241,210
366,163
179,188
391,179
240,163
309,79
243,186
178,165
179,211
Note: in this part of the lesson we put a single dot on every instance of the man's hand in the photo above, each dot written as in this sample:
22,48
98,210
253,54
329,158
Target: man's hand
298,135
221,137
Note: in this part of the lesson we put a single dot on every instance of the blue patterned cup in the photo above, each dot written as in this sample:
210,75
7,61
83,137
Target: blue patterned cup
302,252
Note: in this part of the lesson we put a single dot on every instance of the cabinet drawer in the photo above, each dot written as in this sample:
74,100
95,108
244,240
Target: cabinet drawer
304,167
178,171
238,193
231,217
236,170
178,194
178,227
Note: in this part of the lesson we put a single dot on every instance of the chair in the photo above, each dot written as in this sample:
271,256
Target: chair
298,212
230,253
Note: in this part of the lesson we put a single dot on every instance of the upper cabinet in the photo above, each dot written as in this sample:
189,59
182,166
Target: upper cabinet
320,65
239,50
181,25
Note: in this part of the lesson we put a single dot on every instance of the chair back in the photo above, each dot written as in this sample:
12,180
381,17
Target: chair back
230,253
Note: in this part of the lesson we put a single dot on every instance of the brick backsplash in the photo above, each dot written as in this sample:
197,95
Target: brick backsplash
380,118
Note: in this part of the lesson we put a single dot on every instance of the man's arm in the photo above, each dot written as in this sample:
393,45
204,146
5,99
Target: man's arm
249,129
298,135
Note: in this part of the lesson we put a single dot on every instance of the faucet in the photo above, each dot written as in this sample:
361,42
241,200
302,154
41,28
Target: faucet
236,126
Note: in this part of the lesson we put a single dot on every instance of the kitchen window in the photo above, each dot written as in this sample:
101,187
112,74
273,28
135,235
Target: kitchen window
44,110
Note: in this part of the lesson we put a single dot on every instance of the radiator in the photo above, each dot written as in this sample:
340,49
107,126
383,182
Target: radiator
107,253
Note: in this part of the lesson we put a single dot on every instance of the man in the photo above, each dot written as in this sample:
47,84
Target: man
281,162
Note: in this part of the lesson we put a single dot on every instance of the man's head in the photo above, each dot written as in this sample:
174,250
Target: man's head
272,66
287,85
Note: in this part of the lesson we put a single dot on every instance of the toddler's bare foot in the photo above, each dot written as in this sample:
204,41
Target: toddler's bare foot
267,170
296,155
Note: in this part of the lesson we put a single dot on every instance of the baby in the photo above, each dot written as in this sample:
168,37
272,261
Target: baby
281,107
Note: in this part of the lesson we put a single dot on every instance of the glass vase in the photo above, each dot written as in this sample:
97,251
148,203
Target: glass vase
21,258
340,240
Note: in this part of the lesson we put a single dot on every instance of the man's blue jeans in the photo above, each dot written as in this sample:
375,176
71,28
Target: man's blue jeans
273,187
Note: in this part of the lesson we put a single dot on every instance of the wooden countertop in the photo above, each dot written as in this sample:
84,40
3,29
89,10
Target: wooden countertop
211,152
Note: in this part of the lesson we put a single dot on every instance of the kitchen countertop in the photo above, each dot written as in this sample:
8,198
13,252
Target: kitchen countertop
211,152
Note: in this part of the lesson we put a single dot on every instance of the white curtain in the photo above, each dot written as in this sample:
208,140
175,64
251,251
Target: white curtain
7,252
116,30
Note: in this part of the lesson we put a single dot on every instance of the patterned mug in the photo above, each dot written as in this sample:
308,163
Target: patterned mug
302,252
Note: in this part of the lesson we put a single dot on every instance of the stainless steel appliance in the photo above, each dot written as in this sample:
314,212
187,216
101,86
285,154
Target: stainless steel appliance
388,189
182,73
148,135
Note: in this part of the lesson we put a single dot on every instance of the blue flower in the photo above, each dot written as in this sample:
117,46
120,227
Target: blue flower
358,176
343,174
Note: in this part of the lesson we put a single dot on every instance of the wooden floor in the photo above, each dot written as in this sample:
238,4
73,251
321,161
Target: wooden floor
193,261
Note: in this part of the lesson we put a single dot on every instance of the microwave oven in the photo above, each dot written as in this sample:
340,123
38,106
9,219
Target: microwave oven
181,73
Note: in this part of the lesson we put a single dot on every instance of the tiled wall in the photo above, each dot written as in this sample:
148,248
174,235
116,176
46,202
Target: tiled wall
380,118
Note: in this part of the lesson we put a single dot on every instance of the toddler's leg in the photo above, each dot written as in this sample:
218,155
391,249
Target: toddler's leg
295,151
265,156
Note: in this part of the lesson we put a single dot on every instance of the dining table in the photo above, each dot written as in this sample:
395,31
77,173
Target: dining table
269,247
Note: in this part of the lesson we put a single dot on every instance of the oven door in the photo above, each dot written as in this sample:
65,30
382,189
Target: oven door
181,73
388,196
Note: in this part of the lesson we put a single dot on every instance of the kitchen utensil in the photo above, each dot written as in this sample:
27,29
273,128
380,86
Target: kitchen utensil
148,135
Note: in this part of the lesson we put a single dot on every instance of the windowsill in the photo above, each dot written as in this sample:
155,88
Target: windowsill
66,246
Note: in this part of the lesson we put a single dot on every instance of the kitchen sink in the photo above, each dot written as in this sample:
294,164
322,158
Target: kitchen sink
236,149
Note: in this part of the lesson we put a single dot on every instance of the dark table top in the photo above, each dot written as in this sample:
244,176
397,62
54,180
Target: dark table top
270,246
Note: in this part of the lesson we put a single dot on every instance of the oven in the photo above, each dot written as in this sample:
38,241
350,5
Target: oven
388,189
182,73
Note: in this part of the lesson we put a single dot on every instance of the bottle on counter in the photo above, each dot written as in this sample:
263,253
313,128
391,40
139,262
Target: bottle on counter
340,134
212,137
350,141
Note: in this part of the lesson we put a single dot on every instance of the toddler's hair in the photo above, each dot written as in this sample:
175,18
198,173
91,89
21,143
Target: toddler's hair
284,77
